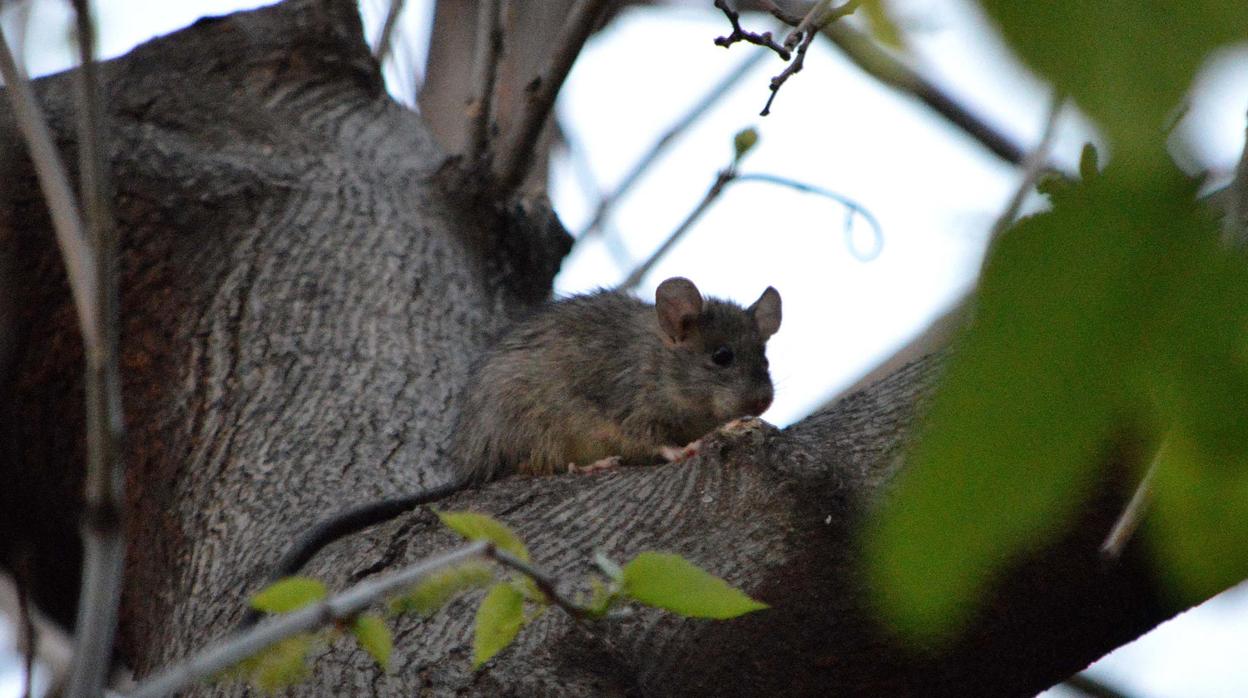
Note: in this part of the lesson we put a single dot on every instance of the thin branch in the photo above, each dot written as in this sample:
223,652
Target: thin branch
386,41
853,209
1032,166
882,66
339,608
1093,687
517,156
485,72
941,331
1131,515
710,99
814,22
544,583
103,539
738,34
70,236
26,621
717,188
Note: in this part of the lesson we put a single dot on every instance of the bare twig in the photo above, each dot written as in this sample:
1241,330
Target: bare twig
386,40
544,583
815,20
103,539
70,235
485,71
942,330
26,621
853,209
1131,515
717,188
739,34
882,66
339,608
660,146
517,156
1095,688
1032,166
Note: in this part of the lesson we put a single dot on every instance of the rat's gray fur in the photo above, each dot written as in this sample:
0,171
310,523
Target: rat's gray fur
604,374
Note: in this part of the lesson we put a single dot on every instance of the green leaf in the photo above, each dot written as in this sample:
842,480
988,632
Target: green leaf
289,594
1200,521
743,142
668,581
1052,365
374,636
499,619
277,666
475,526
440,587
1126,63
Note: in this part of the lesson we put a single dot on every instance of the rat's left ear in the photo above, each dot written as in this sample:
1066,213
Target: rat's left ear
766,312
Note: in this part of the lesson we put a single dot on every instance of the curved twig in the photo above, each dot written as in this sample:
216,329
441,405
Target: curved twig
852,210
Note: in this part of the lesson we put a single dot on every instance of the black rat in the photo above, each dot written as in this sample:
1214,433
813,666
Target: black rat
592,381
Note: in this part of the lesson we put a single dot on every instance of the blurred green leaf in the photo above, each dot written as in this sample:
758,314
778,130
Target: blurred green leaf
289,594
277,666
499,619
1200,521
374,636
1126,63
881,24
1054,362
475,526
440,587
668,581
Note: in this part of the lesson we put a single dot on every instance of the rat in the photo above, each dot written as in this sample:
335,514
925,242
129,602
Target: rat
594,381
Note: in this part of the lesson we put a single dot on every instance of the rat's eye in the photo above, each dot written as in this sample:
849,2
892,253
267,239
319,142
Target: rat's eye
722,356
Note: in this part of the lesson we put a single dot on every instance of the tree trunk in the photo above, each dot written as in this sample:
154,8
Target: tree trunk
301,300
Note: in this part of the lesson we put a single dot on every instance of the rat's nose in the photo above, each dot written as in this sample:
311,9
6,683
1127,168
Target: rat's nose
758,405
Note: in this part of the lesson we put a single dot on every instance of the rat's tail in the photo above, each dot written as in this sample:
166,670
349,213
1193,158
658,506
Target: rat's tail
346,523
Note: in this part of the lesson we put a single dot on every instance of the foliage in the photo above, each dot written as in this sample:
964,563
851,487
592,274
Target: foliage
661,580
1116,314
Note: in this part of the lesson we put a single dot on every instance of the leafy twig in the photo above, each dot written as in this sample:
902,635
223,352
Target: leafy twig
386,41
338,608
739,34
712,96
485,71
544,583
517,157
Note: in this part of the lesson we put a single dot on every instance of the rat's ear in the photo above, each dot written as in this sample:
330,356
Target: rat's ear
678,304
766,312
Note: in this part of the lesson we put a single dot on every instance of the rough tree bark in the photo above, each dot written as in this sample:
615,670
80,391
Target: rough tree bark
301,300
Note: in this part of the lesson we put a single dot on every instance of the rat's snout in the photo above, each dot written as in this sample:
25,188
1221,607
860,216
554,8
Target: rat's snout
757,403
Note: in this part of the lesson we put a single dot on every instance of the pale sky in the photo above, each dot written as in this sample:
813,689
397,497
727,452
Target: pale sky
934,192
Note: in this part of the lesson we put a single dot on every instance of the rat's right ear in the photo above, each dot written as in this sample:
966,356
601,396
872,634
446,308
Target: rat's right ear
678,303
766,312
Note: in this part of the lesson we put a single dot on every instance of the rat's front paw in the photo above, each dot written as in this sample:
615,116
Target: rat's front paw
672,454
601,464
